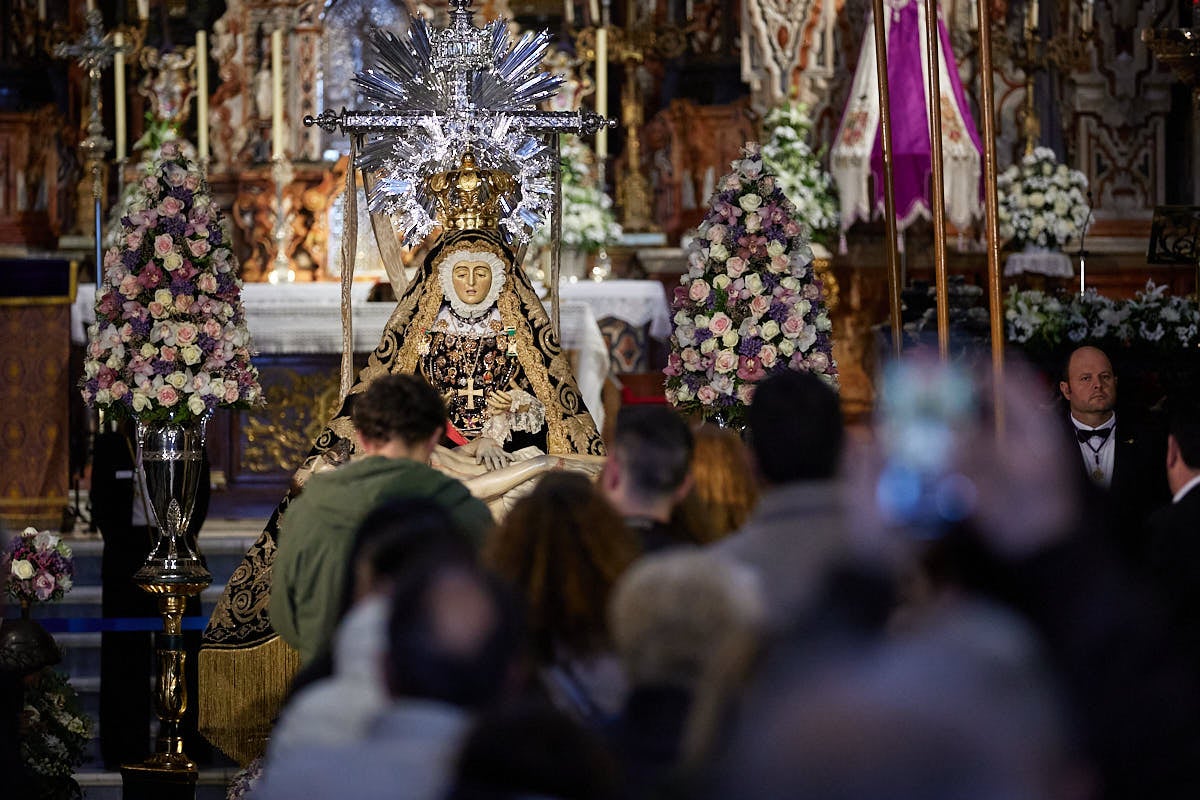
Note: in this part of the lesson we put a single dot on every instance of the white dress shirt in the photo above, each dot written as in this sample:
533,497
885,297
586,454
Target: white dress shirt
1098,461
1187,487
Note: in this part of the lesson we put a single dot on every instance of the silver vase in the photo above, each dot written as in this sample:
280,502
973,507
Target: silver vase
171,457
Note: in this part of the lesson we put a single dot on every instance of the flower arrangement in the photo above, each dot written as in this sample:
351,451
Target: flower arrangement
1042,202
1152,318
799,171
55,735
588,222
38,566
170,341
750,305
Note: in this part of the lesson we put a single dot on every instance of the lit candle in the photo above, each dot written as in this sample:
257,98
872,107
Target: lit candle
41,12
202,95
602,90
119,94
277,94
1033,14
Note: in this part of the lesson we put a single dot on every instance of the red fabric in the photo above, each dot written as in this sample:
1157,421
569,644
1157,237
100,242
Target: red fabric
453,435
629,398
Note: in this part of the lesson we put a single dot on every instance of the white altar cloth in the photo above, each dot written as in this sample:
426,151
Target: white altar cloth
1052,263
307,318
638,302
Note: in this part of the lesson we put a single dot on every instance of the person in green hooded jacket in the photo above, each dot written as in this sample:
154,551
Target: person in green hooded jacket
398,421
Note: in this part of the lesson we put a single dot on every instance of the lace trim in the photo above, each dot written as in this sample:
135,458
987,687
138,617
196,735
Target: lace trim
526,414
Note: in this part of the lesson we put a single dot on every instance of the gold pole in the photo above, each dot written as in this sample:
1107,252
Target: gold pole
937,194
889,191
991,220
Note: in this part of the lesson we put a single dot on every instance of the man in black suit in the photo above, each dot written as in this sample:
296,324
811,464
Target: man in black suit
1125,462
1174,529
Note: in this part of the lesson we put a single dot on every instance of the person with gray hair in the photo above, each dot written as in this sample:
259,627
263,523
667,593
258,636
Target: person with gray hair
684,625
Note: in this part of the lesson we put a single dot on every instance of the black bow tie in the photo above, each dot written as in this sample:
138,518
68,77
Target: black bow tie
1088,435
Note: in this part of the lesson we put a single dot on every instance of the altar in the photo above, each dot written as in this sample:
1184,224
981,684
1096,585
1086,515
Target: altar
296,330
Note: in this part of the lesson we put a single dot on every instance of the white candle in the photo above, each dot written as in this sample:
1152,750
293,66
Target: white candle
119,94
202,95
143,7
277,144
41,10
569,11
91,5
1085,22
594,11
1033,14
602,90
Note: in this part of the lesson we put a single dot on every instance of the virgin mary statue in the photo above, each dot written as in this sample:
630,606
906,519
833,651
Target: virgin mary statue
470,323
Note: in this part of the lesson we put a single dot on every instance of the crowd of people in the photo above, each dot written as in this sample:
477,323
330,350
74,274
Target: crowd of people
976,595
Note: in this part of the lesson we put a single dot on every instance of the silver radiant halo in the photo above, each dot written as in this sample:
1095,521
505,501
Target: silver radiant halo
470,88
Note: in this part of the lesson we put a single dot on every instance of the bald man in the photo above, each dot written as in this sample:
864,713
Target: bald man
1127,463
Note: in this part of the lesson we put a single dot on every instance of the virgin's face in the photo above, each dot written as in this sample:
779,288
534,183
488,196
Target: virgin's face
472,280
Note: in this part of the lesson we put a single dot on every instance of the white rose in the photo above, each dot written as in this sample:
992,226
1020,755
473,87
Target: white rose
140,401
163,296
719,252
722,281
786,347
177,379
749,202
730,339
774,248
195,404
708,345
770,330
172,261
22,569
191,354
754,283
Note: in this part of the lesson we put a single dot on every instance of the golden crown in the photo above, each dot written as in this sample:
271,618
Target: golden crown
470,198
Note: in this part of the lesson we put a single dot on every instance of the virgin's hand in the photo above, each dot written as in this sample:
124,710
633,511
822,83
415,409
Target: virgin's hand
489,453
499,402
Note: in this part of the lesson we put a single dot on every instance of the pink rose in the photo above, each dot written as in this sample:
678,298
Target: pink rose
812,291
760,304
167,395
212,328
150,183
779,264
768,355
716,233
130,286
198,247
691,358
163,244
192,181
706,395
170,206
231,393
133,239
818,361
727,361
735,266
749,369
183,302
168,353
792,327
699,291
745,393
207,282
43,585
720,323
186,332
119,389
